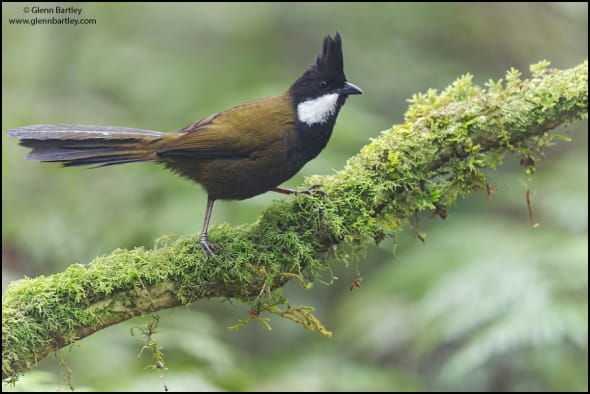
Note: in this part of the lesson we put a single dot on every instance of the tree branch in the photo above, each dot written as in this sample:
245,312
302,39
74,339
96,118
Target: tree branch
424,163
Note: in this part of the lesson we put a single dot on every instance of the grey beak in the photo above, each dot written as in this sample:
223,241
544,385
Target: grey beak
350,88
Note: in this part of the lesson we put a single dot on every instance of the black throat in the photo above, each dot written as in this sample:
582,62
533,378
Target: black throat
311,139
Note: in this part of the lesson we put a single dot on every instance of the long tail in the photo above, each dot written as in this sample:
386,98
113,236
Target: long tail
79,145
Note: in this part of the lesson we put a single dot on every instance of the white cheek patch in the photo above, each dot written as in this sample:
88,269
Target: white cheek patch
317,110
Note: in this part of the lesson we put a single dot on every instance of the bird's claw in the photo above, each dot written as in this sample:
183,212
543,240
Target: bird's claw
208,248
309,191
314,189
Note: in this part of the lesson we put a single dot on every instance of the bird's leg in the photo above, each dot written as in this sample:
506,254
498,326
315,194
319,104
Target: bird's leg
203,239
309,191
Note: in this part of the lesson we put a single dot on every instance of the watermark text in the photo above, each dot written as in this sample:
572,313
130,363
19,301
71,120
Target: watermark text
36,15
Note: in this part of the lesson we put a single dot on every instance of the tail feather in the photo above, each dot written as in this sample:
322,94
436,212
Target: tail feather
78,145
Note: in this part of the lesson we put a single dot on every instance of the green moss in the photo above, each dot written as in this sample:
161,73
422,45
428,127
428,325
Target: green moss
438,154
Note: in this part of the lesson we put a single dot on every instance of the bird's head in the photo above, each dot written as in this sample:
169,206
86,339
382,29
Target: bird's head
320,92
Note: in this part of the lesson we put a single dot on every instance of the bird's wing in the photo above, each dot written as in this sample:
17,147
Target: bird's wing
200,123
238,132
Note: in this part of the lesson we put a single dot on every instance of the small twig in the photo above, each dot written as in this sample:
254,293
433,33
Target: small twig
534,223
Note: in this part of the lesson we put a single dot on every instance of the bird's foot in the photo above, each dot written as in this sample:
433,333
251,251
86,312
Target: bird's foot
314,189
309,191
208,247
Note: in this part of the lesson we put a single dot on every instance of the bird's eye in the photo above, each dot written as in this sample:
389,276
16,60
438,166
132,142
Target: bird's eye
324,85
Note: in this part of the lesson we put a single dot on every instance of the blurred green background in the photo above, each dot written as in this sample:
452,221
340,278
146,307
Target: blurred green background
486,303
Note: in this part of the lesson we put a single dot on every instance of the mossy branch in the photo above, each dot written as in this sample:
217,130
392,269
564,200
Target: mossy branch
437,154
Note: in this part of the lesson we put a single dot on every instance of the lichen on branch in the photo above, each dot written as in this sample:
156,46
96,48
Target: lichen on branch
425,163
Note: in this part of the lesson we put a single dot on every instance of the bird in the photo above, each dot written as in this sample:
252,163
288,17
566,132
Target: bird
235,154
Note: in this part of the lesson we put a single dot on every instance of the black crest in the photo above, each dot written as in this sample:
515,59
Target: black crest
330,60
325,74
